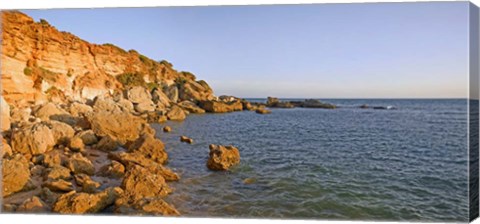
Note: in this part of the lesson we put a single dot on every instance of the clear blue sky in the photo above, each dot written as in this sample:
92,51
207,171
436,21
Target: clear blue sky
398,50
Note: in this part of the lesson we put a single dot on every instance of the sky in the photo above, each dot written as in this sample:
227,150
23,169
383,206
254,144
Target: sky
376,50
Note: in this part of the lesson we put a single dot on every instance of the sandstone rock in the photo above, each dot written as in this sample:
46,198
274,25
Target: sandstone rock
81,203
58,185
88,137
5,149
262,111
33,205
33,139
186,139
61,132
80,164
247,105
145,107
46,111
16,174
131,159
167,129
222,157
58,172
120,126
4,114
176,114
125,105
312,103
172,93
191,107
79,109
138,94
156,117
21,114
140,183
160,98
221,107
76,144
114,170
88,185
107,144
249,180
105,104
146,206
150,148
52,159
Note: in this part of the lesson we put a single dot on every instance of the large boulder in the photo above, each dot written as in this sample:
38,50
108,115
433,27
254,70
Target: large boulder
150,148
80,164
4,114
81,203
33,205
16,174
48,111
145,107
191,107
5,149
105,104
141,183
176,114
131,159
159,97
222,157
88,137
172,93
122,127
61,132
221,107
33,139
138,94
79,109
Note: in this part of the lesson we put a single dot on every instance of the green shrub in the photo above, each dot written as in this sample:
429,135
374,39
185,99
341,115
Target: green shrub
27,71
131,79
48,75
143,58
166,63
152,85
44,22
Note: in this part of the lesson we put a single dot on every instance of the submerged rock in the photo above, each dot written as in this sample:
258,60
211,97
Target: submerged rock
262,111
312,103
222,157
186,139
167,129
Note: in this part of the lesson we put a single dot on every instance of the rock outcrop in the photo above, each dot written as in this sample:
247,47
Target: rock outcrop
222,157
220,106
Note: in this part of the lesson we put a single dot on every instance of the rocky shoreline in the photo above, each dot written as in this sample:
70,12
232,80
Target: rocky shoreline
75,122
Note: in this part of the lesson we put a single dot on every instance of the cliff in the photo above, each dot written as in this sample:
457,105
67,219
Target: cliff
38,61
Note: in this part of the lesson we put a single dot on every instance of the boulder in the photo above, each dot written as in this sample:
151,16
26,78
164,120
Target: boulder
262,111
88,185
76,144
191,107
33,139
156,117
149,206
58,172
120,126
125,105
186,139
145,107
105,104
221,107
53,159
141,183
172,93
48,110
160,98
61,132
222,157
130,159
4,114
33,205
138,94
16,174
176,114
167,129
5,149
107,144
88,137
81,203
113,170
80,164
78,109
58,185
21,114
150,148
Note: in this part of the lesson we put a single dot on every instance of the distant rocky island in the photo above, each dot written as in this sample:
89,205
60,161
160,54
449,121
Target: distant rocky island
75,123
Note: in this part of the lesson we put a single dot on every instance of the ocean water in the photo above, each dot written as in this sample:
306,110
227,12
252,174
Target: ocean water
348,163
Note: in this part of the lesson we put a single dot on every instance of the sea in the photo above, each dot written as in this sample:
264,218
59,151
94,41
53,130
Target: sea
404,164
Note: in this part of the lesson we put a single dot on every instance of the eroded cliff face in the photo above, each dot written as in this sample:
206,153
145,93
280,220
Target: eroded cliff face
38,61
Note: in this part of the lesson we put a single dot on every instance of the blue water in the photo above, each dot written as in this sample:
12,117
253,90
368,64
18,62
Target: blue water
348,163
